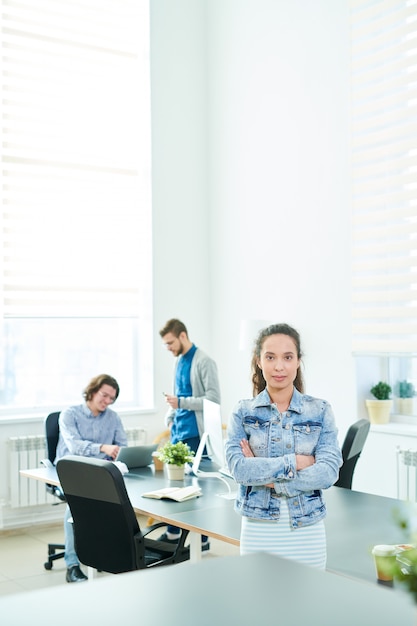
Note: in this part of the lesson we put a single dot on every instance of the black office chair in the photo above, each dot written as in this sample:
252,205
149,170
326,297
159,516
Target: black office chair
55,550
351,451
106,530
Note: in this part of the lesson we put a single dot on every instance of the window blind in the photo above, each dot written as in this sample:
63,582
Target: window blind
384,175
75,158
75,219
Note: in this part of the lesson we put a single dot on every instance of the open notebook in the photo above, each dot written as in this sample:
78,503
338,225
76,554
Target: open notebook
179,494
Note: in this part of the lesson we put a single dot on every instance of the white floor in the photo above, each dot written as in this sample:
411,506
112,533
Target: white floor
23,553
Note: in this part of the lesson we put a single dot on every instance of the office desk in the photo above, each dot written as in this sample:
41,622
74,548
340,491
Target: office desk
355,521
176,513
243,591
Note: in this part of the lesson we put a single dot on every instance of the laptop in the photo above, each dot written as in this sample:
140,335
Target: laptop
136,456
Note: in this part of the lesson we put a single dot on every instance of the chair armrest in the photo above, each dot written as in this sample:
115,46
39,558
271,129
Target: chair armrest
149,529
46,463
183,536
160,552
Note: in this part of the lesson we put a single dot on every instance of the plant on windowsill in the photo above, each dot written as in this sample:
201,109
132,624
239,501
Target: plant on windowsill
175,456
379,409
405,392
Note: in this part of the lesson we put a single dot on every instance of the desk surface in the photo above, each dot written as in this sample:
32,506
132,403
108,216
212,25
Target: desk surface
355,521
219,591
208,510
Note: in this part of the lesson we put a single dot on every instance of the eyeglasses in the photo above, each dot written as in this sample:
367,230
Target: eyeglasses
107,397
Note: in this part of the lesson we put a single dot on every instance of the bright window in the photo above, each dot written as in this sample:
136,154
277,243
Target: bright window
384,175
75,268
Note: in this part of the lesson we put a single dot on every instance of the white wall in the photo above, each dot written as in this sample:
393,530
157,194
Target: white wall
273,91
279,185
179,171
250,187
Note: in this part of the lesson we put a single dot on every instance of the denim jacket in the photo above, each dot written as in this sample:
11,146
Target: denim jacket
307,427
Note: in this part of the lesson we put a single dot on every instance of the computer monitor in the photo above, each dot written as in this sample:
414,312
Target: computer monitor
211,442
212,445
213,427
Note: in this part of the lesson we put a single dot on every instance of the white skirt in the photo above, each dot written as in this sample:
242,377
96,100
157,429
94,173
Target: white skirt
306,544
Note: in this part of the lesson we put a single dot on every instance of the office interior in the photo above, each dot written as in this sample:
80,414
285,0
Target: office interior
250,195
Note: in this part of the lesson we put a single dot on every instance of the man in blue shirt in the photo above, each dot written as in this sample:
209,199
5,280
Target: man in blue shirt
89,429
195,378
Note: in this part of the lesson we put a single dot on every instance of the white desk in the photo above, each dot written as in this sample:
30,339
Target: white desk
241,591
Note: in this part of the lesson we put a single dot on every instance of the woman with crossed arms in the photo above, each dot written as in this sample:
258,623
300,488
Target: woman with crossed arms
282,450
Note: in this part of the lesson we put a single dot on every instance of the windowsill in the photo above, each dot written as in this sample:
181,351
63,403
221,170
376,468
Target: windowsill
29,417
398,425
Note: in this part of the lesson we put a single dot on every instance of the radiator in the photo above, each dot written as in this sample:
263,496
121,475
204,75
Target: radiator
136,436
27,452
406,474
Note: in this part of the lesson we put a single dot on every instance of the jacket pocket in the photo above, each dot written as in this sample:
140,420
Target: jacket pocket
306,437
257,432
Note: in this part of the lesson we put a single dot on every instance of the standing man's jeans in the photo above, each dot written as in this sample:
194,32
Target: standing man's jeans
71,557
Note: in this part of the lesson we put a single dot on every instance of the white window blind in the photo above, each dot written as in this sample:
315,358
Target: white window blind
76,206
384,175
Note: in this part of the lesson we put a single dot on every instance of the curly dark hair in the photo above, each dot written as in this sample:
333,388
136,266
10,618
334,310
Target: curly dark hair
96,384
258,381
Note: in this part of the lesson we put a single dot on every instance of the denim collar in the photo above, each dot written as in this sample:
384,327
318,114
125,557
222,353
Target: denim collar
296,404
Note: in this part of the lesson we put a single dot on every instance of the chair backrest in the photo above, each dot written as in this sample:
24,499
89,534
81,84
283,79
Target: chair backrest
351,451
106,531
52,434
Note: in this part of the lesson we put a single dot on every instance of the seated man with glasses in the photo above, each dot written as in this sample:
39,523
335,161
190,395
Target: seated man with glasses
89,429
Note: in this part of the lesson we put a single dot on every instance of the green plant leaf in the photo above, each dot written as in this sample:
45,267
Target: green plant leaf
381,391
175,453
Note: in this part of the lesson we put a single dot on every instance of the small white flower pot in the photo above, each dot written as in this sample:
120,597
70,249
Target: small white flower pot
175,472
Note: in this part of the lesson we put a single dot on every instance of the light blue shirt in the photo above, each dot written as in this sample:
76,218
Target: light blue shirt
83,434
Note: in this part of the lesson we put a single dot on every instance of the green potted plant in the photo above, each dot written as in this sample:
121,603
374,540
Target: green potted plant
175,456
405,392
379,409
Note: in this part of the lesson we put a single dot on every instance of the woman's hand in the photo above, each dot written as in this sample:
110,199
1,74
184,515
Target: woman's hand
246,449
304,460
247,453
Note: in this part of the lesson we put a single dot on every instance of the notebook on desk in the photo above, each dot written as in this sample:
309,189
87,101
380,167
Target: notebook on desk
136,456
